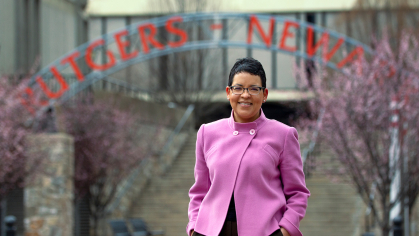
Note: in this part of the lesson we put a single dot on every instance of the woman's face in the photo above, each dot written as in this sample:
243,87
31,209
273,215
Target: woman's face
246,107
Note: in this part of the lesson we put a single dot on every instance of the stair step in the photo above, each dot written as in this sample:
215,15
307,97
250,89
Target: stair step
164,204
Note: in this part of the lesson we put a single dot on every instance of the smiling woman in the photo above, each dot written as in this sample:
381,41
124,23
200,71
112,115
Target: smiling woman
249,176
246,105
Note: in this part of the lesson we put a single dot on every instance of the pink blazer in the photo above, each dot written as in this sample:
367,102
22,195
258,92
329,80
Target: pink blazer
260,161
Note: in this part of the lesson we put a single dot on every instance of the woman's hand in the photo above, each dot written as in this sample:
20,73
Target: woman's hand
284,232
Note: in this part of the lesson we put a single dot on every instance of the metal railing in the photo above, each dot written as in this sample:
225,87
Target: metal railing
176,131
109,84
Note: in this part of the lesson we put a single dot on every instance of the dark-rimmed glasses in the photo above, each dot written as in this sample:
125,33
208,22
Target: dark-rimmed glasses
238,90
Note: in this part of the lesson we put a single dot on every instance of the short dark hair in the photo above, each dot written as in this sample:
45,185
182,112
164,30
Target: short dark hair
248,65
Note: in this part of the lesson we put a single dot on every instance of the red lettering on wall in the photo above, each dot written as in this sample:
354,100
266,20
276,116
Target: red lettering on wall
323,40
266,38
216,26
176,31
90,61
358,51
327,56
29,103
122,46
149,38
286,34
310,41
72,61
61,81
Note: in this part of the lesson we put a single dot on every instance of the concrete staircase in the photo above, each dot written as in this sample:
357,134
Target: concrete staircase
164,202
334,208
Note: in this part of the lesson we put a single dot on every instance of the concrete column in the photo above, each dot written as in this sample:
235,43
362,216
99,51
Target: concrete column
224,54
48,197
249,49
273,60
104,31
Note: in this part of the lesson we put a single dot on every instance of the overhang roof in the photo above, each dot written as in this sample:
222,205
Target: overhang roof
156,7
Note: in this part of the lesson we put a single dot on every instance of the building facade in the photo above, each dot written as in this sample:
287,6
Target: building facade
36,32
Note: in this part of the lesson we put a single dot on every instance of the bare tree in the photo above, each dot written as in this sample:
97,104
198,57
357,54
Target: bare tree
189,77
369,19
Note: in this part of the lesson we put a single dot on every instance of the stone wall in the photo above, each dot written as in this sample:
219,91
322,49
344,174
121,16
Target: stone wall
48,197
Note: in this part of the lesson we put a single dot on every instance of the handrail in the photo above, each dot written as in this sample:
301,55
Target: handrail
175,132
144,161
178,128
313,140
125,85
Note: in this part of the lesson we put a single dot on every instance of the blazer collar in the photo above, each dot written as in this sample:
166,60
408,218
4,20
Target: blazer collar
246,127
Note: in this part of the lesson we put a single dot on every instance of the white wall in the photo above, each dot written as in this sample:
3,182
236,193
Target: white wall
57,29
7,36
147,7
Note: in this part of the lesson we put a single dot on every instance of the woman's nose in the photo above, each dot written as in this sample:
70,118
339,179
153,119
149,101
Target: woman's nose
246,93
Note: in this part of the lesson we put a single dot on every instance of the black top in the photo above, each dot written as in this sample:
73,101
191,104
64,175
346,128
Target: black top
231,213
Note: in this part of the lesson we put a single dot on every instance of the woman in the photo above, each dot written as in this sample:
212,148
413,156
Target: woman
249,178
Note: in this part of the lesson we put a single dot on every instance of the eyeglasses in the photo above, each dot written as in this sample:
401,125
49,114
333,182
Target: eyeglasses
251,90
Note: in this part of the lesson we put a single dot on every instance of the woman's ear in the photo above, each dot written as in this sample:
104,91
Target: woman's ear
265,95
228,92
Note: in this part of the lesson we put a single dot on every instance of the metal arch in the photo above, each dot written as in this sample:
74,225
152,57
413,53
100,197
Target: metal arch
95,76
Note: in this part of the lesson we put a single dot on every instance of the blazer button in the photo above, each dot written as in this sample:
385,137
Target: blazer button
252,132
235,132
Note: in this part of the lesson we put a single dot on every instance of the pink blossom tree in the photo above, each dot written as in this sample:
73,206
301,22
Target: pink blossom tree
357,119
109,144
16,163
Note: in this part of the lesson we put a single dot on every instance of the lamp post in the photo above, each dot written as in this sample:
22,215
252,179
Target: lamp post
10,222
399,142
397,226
405,185
394,156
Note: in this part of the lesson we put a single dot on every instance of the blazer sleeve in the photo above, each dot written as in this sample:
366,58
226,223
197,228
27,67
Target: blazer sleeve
295,190
202,181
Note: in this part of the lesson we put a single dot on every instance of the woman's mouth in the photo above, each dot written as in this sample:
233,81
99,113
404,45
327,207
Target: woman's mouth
245,104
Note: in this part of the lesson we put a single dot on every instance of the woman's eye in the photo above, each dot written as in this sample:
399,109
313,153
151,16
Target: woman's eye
254,89
237,89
